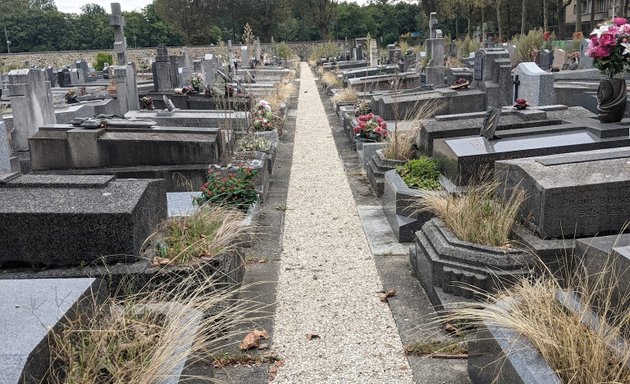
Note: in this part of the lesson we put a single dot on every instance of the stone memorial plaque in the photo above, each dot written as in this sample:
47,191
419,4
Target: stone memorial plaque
490,123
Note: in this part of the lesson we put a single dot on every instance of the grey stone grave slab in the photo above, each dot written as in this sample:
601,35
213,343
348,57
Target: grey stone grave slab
610,256
464,160
536,85
181,203
493,75
572,195
73,219
51,76
32,105
559,59
546,59
161,70
586,62
467,124
31,310
5,150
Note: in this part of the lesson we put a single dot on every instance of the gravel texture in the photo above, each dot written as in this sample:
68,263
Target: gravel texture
328,280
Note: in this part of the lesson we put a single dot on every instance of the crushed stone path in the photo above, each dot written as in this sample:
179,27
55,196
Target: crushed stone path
328,280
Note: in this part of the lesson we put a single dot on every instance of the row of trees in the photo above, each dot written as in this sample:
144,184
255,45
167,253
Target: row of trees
40,26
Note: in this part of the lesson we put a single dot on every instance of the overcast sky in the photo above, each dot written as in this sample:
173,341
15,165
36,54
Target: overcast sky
74,6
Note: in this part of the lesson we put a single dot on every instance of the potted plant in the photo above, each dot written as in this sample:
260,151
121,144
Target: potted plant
609,46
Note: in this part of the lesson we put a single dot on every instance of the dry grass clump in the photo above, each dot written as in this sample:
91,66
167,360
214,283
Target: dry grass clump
330,79
283,92
401,145
346,95
210,231
142,339
477,216
582,346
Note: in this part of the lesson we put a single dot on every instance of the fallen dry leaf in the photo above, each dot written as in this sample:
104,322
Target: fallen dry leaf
157,261
385,295
252,339
312,336
451,329
263,346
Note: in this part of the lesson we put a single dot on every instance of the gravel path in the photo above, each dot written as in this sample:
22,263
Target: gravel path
328,281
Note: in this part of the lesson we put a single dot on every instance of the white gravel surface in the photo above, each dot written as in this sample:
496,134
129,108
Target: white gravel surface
328,281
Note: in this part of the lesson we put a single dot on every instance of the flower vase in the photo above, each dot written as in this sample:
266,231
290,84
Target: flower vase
611,100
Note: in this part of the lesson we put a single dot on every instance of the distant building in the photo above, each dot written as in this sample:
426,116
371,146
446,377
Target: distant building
604,10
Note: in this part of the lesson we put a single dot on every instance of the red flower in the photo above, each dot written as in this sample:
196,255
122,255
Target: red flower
619,21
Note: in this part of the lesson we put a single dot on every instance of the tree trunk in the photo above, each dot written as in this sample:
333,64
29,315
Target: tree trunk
499,20
578,16
468,17
523,11
509,23
545,16
591,22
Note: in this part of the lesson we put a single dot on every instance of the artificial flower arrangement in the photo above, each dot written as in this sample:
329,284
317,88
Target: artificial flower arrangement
520,104
196,79
263,116
609,46
371,127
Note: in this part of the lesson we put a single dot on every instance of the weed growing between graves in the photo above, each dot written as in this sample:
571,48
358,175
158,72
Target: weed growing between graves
330,79
422,173
144,338
347,95
281,94
210,231
477,216
230,189
437,349
582,345
253,142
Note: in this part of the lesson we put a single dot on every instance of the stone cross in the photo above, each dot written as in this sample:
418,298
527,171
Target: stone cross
432,23
117,21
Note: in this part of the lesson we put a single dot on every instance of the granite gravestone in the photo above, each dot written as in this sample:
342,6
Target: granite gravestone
162,70
546,59
586,61
32,104
572,195
559,59
73,220
32,310
536,85
51,76
244,56
493,75
5,150
124,74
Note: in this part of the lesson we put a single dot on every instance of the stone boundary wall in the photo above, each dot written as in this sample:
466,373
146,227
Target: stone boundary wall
141,56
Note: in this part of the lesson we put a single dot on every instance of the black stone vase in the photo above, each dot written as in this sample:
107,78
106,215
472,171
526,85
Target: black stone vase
611,100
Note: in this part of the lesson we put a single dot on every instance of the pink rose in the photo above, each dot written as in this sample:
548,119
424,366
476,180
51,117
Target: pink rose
607,39
618,21
594,42
370,116
356,129
599,52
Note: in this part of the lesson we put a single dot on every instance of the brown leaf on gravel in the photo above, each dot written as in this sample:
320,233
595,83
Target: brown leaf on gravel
385,295
157,261
312,336
451,329
263,346
273,369
252,339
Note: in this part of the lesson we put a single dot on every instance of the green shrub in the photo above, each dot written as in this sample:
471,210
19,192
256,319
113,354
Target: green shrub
422,173
229,189
101,59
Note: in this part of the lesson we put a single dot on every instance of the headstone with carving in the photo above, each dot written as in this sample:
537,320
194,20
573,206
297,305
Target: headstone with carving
162,70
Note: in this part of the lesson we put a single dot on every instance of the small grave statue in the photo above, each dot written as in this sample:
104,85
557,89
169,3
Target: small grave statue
432,24
490,123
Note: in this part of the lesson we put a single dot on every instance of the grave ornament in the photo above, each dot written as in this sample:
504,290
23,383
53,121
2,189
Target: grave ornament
490,123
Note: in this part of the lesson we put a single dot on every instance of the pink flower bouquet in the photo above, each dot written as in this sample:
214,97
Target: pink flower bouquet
371,127
609,46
